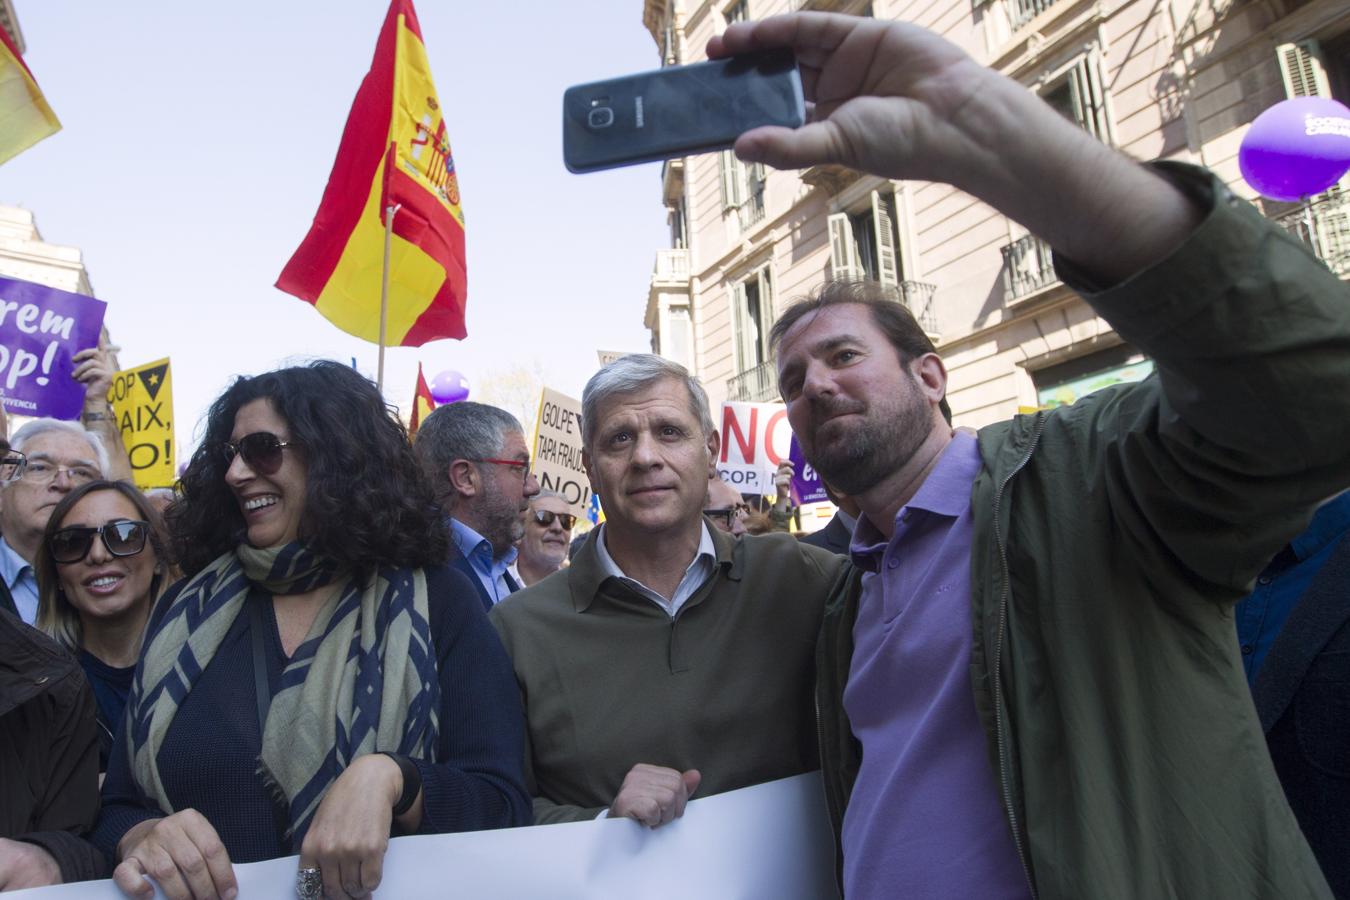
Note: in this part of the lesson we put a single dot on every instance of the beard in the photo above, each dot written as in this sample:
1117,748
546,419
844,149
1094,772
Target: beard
880,441
502,517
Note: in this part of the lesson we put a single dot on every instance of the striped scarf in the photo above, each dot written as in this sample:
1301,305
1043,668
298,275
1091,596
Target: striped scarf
363,680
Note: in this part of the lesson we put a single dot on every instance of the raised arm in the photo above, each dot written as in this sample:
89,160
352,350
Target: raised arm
897,100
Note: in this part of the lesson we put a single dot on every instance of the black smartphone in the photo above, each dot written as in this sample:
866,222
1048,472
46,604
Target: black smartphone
679,110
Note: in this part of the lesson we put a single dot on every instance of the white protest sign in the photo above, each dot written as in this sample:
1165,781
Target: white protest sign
756,437
771,840
557,450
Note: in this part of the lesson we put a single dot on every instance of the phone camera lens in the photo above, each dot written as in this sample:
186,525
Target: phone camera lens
600,117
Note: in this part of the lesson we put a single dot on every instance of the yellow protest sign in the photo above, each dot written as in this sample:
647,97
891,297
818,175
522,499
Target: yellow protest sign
143,400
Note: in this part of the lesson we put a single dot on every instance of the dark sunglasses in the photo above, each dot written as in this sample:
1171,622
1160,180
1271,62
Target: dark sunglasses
545,518
727,515
261,450
70,545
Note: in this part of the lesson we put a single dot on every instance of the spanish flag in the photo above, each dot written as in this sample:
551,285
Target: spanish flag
25,117
423,403
394,151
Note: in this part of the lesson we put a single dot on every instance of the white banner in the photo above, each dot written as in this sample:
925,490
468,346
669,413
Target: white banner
557,450
756,437
771,840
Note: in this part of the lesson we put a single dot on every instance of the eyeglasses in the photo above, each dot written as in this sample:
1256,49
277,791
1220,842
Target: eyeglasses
261,451
70,545
523,465
546,518
12,466
38,471
724,517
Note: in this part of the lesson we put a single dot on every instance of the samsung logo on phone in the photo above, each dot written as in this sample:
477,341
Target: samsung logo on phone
637,109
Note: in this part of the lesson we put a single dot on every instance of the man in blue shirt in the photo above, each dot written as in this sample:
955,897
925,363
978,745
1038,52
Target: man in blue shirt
477,462
1294,630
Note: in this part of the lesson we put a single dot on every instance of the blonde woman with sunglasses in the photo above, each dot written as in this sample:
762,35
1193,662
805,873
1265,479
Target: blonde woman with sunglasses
99,570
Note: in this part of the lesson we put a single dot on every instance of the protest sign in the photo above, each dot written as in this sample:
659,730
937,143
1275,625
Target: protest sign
41,328
755,439
806,483
143,400
557,450
770,840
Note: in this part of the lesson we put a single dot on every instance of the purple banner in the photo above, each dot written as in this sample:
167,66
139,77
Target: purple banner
806,486
41,328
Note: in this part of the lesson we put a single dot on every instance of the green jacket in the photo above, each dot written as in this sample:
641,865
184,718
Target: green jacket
1112,538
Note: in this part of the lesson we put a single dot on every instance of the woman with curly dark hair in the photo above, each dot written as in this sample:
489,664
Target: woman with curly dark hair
320,680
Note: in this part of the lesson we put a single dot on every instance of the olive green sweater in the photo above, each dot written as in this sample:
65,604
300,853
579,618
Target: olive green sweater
610,680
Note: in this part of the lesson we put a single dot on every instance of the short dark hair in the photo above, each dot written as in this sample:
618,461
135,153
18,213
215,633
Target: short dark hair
889,313
366,503
463,430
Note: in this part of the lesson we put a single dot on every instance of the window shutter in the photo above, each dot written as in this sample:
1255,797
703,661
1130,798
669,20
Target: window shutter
1303,71
731,179
883,225
1087,98
766,312
844,264
1096,96
740,328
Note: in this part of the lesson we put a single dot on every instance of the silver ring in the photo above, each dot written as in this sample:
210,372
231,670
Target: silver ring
309,884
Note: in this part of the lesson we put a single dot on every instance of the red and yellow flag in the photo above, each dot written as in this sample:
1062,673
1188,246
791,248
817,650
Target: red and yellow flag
25,117
423,403
394,151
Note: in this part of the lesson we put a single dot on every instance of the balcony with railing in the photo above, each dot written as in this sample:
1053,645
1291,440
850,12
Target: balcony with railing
672,268
751,209
1324,225
918,299
1028,267
1020,12
757,385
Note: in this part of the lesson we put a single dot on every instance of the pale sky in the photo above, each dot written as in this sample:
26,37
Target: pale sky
198,138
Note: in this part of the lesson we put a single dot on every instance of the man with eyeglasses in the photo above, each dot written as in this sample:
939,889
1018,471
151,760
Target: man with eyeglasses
48,459
548,534
475,458
725,507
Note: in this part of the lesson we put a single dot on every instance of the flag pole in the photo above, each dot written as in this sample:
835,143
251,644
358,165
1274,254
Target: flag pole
384,288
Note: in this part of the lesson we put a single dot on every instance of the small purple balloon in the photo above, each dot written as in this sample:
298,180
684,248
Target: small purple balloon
1297,148
449,387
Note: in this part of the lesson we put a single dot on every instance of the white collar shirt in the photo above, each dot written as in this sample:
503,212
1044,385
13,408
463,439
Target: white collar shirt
697,575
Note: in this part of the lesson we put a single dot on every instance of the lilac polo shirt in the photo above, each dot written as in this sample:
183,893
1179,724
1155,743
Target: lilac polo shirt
924,820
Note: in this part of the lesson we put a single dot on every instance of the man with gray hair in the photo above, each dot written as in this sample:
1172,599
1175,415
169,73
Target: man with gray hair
548,534
61,456
669,656
475,458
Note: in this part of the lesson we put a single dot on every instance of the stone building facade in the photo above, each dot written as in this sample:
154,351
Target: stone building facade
1175,79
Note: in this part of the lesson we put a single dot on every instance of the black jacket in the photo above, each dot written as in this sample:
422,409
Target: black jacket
1302,694
48,750
834,537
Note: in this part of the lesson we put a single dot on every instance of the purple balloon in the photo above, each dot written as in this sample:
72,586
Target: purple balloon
1297,148
449,387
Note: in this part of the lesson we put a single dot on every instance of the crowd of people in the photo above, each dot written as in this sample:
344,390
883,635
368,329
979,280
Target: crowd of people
1097,651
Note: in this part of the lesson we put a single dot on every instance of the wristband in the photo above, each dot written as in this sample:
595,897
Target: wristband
98,416
412,782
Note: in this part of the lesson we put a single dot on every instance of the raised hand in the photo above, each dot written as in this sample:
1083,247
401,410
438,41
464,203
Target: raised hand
899,101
